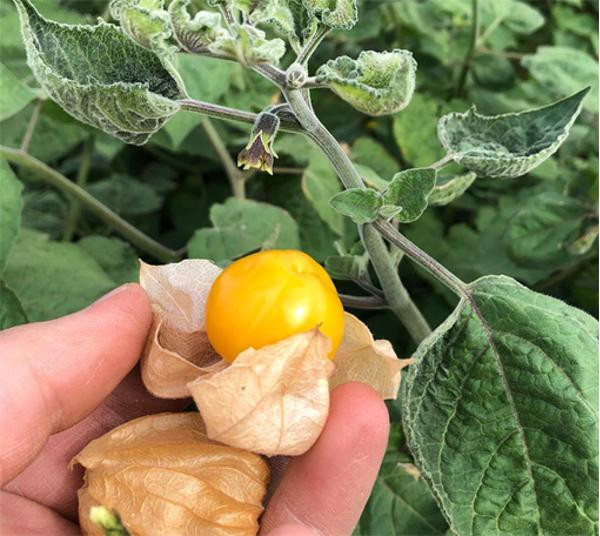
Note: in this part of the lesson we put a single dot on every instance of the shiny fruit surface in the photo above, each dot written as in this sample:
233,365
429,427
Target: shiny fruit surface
268,296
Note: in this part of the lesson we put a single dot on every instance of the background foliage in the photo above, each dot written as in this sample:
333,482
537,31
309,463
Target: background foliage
540,228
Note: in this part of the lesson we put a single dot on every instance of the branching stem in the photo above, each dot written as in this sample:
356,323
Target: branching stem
310,47
90,203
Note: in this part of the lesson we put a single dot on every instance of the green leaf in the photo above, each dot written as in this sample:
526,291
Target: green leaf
500,410
401,502
45,211
320,183
242,226
347,267
368,152
11,310
195,34
541,231
118,260
360,204
14,95
126,195
376,83
52,279
407,193
100,76
512,144
11,205
447,191
334,13
250,46
371,178
146,22
563,71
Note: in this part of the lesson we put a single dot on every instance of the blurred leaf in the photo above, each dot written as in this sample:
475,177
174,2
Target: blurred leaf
564,71
132,94
44,211
401,502
520,377
360,204
448,190
368,152
508,145
242,226
14,95
11,204
51,138
117,258
334,13
542,229
11,310
407,193
125,195
376,83
52,279
319,184
585,242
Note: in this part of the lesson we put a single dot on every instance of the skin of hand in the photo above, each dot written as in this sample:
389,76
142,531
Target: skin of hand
70,380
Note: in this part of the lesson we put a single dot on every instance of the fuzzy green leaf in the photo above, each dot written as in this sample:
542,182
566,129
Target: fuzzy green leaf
347,267
11,310
500,410
100,76
407,193
146,22
11,205
334,13
241,226
447,191
360,204
376,83
14,95
512,144
250,46
563,70
195,34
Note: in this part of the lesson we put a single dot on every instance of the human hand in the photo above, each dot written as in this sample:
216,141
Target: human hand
70,380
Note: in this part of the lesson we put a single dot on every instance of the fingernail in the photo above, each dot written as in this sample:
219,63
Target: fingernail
111,294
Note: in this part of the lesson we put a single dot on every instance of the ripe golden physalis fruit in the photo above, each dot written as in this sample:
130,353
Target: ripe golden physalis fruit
160,474
268,296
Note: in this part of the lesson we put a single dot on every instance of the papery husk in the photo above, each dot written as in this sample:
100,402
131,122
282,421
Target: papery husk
360,358
162,475
273,400
177,350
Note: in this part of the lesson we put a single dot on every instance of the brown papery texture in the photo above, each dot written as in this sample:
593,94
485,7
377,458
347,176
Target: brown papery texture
360,358
274,400
164,476
177,350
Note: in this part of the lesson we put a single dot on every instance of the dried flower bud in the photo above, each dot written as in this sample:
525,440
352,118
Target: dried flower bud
259,152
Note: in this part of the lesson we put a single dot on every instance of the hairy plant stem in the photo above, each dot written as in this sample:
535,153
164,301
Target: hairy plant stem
236,177
462,77
310,47
90,203
82,175
396,295
363,302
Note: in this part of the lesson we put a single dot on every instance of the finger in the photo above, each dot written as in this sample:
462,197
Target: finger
22,517
59,371
58,489
327,488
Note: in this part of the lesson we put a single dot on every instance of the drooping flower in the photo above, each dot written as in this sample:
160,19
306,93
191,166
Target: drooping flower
259,152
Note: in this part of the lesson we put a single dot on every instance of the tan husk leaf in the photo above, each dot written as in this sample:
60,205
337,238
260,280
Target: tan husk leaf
361,358
162,475
177,350
274,400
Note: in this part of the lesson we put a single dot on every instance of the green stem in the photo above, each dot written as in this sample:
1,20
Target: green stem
90,203
236,178
310,47
363,302
395,293
82,175
471,50
31,126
